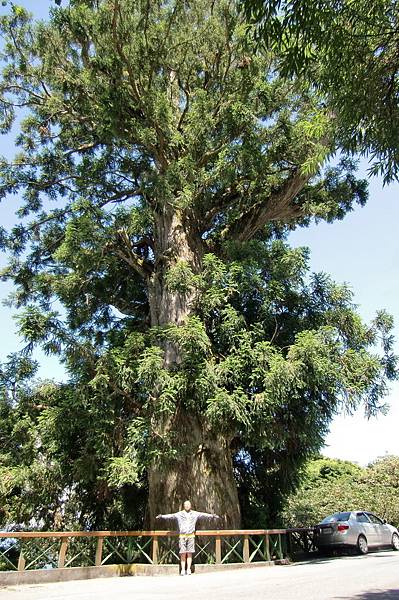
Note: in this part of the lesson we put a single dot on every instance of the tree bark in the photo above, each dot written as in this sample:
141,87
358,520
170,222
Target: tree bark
203,474
203,469
173,243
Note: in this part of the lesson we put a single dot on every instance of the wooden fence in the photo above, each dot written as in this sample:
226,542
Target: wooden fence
60,549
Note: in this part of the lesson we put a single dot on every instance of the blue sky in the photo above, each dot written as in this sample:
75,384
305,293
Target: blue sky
362,250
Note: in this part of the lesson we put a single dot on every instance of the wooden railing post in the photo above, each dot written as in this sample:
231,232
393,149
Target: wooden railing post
99,552
62,552
21,562
245,549
218,550
267,547
289,543
155,550
280,549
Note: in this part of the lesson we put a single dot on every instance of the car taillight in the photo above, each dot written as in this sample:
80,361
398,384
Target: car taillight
342,527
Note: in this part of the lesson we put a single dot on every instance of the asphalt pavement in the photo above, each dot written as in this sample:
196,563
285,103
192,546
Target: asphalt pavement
371,577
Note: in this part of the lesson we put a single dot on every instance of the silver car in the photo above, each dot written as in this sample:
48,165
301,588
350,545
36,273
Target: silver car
357,529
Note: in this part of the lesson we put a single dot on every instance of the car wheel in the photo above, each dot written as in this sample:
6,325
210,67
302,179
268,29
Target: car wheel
362,545
395,541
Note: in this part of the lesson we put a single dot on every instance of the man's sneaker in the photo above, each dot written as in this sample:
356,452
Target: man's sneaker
188,571
182,573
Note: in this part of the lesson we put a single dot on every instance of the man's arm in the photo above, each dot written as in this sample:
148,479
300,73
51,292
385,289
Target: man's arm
171,516
204,515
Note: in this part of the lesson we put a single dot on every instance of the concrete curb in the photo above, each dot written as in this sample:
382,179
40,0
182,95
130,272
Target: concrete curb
75,573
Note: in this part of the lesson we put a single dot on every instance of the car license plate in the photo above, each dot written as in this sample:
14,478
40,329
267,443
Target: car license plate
326,531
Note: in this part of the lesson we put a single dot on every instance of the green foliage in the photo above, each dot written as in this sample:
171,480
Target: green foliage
330,485
180,277
348,50
121,471
64,461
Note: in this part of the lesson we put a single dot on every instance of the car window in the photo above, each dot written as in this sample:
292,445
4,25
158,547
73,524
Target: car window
341,516
374,519
362,518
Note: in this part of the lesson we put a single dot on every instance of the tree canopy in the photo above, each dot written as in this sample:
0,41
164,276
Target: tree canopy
349,52
160,165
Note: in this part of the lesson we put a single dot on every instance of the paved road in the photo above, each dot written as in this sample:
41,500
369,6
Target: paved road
372,577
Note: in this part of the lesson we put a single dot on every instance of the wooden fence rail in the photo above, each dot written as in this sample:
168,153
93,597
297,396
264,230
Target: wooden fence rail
24,550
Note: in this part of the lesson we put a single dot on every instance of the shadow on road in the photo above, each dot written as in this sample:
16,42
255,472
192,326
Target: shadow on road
326,558
318,559
377,595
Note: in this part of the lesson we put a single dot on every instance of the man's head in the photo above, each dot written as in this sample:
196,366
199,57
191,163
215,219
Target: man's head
187,505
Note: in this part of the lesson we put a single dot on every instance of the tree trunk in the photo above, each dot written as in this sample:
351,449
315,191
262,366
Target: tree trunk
174,243
203,474
203,470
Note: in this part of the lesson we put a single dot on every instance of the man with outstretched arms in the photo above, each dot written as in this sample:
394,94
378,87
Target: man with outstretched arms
186,523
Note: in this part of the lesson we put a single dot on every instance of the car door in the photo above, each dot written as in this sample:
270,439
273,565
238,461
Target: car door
366,528
382,531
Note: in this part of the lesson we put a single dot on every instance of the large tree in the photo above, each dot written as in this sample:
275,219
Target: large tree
161,162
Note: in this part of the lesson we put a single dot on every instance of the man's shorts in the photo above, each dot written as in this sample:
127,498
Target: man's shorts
186,543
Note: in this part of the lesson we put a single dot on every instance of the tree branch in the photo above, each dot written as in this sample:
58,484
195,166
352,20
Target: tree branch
142,266
83,148
220,203
275,208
